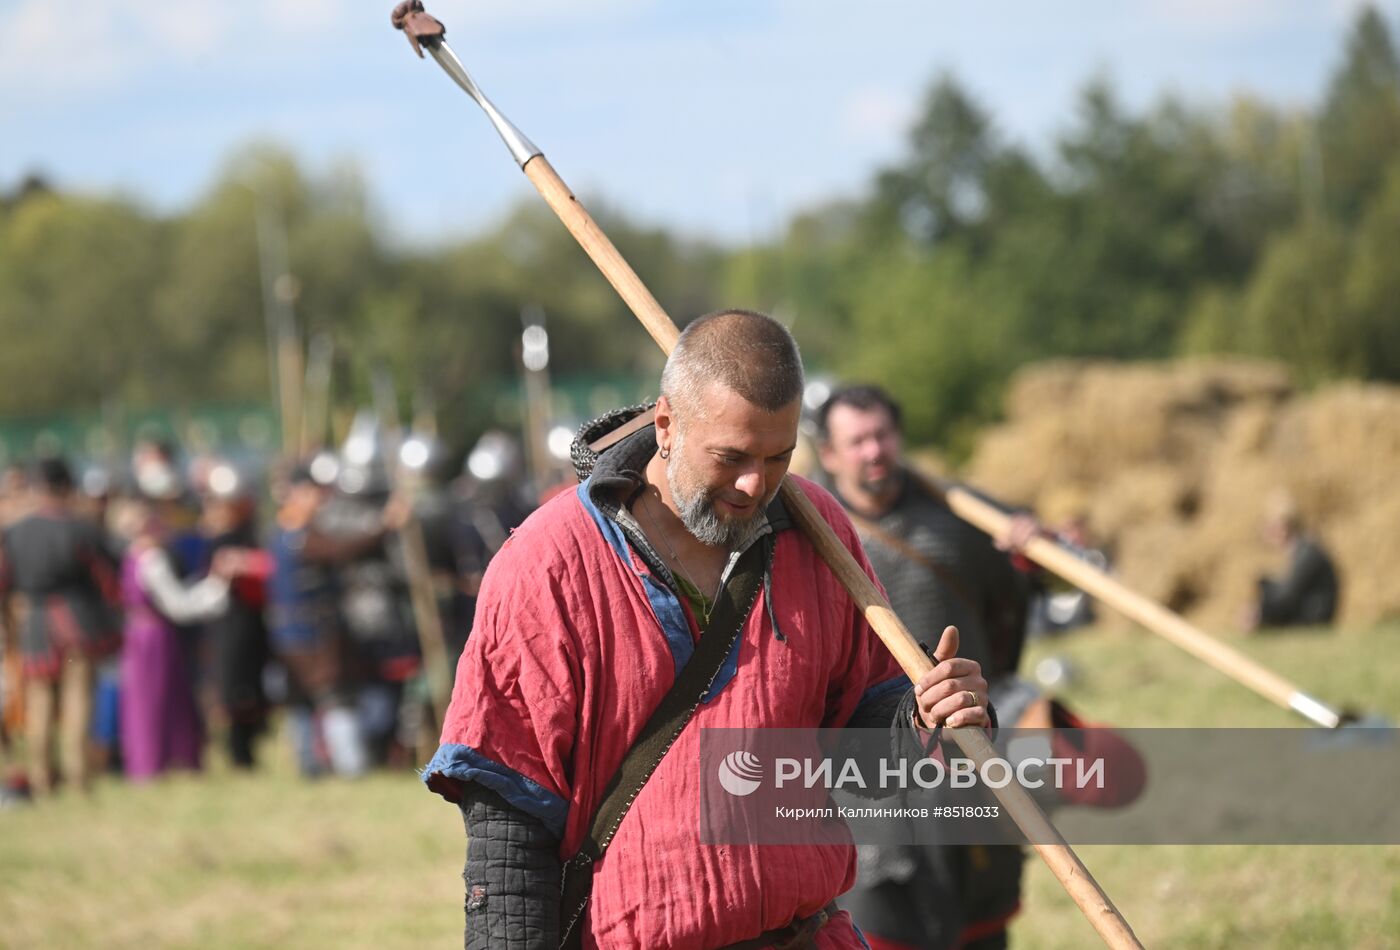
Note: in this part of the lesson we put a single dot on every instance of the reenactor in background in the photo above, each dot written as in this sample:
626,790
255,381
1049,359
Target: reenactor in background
940,570
1306,594
14,785
236,641
58,586
308,633
487,506
383,656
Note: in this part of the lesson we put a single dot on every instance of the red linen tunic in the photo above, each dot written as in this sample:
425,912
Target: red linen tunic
575,643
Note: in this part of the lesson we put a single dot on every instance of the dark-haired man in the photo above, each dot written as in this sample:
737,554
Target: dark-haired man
59,583
596,607
938,569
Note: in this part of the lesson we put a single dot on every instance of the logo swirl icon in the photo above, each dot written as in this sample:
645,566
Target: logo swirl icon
740,773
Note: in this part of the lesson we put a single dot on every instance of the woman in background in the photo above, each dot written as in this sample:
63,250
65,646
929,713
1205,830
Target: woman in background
161,727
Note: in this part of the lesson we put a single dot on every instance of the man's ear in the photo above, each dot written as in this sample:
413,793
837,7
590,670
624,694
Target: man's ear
665,423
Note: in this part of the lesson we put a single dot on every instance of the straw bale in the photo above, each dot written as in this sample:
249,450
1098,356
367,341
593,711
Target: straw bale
1086,420
1154,561
1063,502
1051,383
1141,495
1173,463
1367,548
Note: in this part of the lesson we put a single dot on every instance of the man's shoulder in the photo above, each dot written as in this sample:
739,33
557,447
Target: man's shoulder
22,523
33,523
549,533
921,495
924,506
825,501
832,511
1311,552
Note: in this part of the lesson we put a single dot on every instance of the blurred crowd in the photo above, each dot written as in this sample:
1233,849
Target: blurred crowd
188,603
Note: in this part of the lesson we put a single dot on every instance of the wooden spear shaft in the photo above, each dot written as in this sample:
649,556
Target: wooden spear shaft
422,595
1064,863
1148,613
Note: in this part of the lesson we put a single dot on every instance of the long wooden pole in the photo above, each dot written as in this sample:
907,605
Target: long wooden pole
1148,613
316,394
534,367
1063,862
421,593
278,289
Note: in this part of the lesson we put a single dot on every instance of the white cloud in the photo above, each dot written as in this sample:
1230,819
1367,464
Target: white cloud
1241,16
1344,11
42,47
876,112
188,30
279,16
1216,15
50,52
477,13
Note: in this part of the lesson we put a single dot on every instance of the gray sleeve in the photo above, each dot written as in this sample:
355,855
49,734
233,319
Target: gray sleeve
878,713
512,876
893,711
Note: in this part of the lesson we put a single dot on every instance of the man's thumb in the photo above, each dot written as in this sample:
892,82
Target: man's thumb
947,644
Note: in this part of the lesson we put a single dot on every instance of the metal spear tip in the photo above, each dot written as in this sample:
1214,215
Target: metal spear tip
420,28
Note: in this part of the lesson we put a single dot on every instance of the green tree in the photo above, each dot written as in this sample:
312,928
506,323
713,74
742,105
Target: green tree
1372,288
77,277
1294,308
1359,125
934,331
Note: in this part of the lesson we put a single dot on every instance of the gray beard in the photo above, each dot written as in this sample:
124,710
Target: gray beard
698,514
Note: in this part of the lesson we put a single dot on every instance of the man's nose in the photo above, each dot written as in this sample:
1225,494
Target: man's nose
751,483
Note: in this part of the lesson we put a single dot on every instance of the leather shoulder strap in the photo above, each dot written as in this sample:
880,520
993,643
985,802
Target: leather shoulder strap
664,726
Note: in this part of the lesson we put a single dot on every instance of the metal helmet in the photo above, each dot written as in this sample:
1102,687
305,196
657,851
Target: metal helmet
495,457
363,470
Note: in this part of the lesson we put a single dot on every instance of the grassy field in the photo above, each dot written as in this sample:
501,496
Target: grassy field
1226,896
226,860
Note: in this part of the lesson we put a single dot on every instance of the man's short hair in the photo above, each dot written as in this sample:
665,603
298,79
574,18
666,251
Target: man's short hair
747,352
864,397
301,473
54,474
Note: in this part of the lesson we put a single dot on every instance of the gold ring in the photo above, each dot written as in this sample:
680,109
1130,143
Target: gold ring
972,696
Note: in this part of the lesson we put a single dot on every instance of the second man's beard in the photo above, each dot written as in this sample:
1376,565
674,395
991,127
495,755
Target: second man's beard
883,487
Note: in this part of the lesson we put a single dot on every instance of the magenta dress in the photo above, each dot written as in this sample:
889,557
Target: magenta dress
160,724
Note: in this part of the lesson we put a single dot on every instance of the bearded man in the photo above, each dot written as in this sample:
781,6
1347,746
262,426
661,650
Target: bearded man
938,569
673,553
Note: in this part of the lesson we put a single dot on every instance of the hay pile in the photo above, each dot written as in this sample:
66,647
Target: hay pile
1173,464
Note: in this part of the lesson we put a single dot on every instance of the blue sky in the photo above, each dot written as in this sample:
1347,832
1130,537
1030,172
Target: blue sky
718,118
